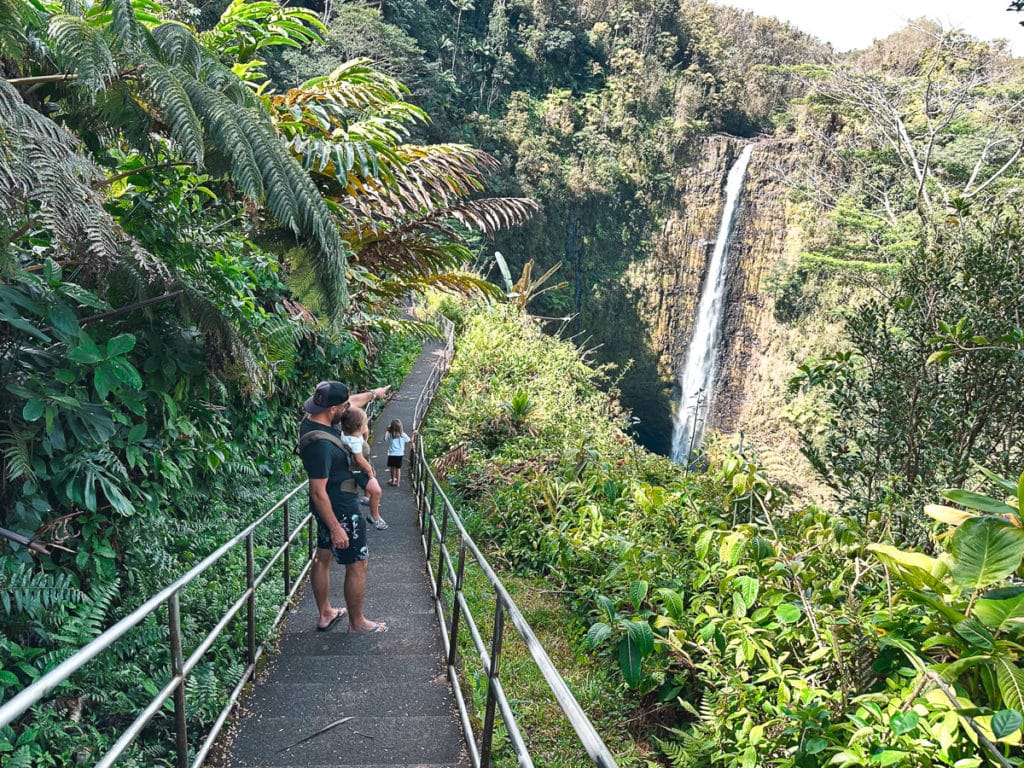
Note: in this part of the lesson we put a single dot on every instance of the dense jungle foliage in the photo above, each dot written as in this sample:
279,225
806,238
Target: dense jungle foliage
187,250
748,628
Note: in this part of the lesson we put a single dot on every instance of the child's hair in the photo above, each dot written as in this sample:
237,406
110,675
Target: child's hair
352,421
395,429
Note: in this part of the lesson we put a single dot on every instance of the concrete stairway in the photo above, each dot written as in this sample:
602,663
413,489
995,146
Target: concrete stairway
389,691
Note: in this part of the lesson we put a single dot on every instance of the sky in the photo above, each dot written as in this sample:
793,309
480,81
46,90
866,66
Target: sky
856,23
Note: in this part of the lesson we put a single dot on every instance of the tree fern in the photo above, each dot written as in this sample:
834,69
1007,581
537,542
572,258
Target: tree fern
82,49
165,89
177,46
25,590
219,116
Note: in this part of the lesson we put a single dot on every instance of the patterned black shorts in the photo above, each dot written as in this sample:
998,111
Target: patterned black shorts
351,520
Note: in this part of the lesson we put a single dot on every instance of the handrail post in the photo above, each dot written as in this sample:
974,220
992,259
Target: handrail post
453,632
428,519
492,678
177,670
441,546
250,584
287,526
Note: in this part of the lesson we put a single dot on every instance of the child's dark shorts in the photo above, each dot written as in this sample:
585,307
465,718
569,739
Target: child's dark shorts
395,461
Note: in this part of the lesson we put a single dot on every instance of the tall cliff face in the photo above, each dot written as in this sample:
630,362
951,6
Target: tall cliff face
750,382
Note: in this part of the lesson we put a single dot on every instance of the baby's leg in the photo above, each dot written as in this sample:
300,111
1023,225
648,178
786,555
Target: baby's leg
373,490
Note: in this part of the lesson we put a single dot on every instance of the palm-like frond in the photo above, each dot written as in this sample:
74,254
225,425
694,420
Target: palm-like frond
177,46
432,176
46,184
165,89
82,49
17,19
247,26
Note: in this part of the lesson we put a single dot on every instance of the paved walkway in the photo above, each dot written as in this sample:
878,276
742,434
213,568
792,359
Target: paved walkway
392,686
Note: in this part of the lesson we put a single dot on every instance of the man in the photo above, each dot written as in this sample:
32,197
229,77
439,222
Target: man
341,531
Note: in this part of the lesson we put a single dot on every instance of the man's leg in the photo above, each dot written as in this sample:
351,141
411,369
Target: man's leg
355,591
320,577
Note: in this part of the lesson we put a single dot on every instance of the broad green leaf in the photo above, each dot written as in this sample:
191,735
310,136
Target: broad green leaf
640,632
904,722
137,432
63,320
638,593
126,373
747,587
597,634
1011,682
739,607
1006,722
104,380
673,602
985,550
787,613
975,633
630,662
749,759
890,756
607,606
979,502
32,410
814,745
120,345
1002,482
1000,614
85,350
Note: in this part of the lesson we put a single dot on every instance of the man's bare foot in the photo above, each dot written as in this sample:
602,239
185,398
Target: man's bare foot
368,626
323,626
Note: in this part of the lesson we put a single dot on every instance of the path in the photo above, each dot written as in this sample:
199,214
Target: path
392,685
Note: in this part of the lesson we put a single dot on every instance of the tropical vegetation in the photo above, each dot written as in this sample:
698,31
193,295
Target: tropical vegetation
187,249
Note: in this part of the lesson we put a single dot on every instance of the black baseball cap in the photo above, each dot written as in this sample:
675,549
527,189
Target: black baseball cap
327,394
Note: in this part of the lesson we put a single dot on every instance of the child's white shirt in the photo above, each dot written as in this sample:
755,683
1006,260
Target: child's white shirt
354,443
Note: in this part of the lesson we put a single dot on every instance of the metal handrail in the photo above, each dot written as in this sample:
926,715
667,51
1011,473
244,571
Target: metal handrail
180,666
429,494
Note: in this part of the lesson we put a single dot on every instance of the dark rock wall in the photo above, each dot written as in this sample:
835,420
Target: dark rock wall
666,288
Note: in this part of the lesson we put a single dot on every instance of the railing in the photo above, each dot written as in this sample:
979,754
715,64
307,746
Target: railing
447,577
181,666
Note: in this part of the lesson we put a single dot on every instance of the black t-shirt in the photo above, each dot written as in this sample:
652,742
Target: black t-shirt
322,458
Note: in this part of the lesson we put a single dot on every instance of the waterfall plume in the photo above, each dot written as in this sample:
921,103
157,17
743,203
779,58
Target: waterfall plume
697,377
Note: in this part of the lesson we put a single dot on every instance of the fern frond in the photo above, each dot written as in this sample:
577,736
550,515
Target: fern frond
17,450
220,116
23,589
164,87
178,47
82,49
121,22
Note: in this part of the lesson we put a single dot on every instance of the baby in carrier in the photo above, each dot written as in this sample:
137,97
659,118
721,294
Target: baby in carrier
355,434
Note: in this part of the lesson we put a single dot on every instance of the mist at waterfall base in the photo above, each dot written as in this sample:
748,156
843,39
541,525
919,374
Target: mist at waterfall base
697,378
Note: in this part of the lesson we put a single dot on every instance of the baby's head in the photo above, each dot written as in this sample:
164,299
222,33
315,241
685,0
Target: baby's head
353,421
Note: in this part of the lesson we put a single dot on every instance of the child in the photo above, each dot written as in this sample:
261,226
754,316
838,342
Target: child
396,439
354,430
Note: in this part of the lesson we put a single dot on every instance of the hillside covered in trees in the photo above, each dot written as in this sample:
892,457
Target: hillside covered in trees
206,208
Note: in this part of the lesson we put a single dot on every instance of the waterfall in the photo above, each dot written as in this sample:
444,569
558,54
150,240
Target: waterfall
698,374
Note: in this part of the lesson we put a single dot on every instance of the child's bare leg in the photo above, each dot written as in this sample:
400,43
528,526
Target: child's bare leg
373,490
398,475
